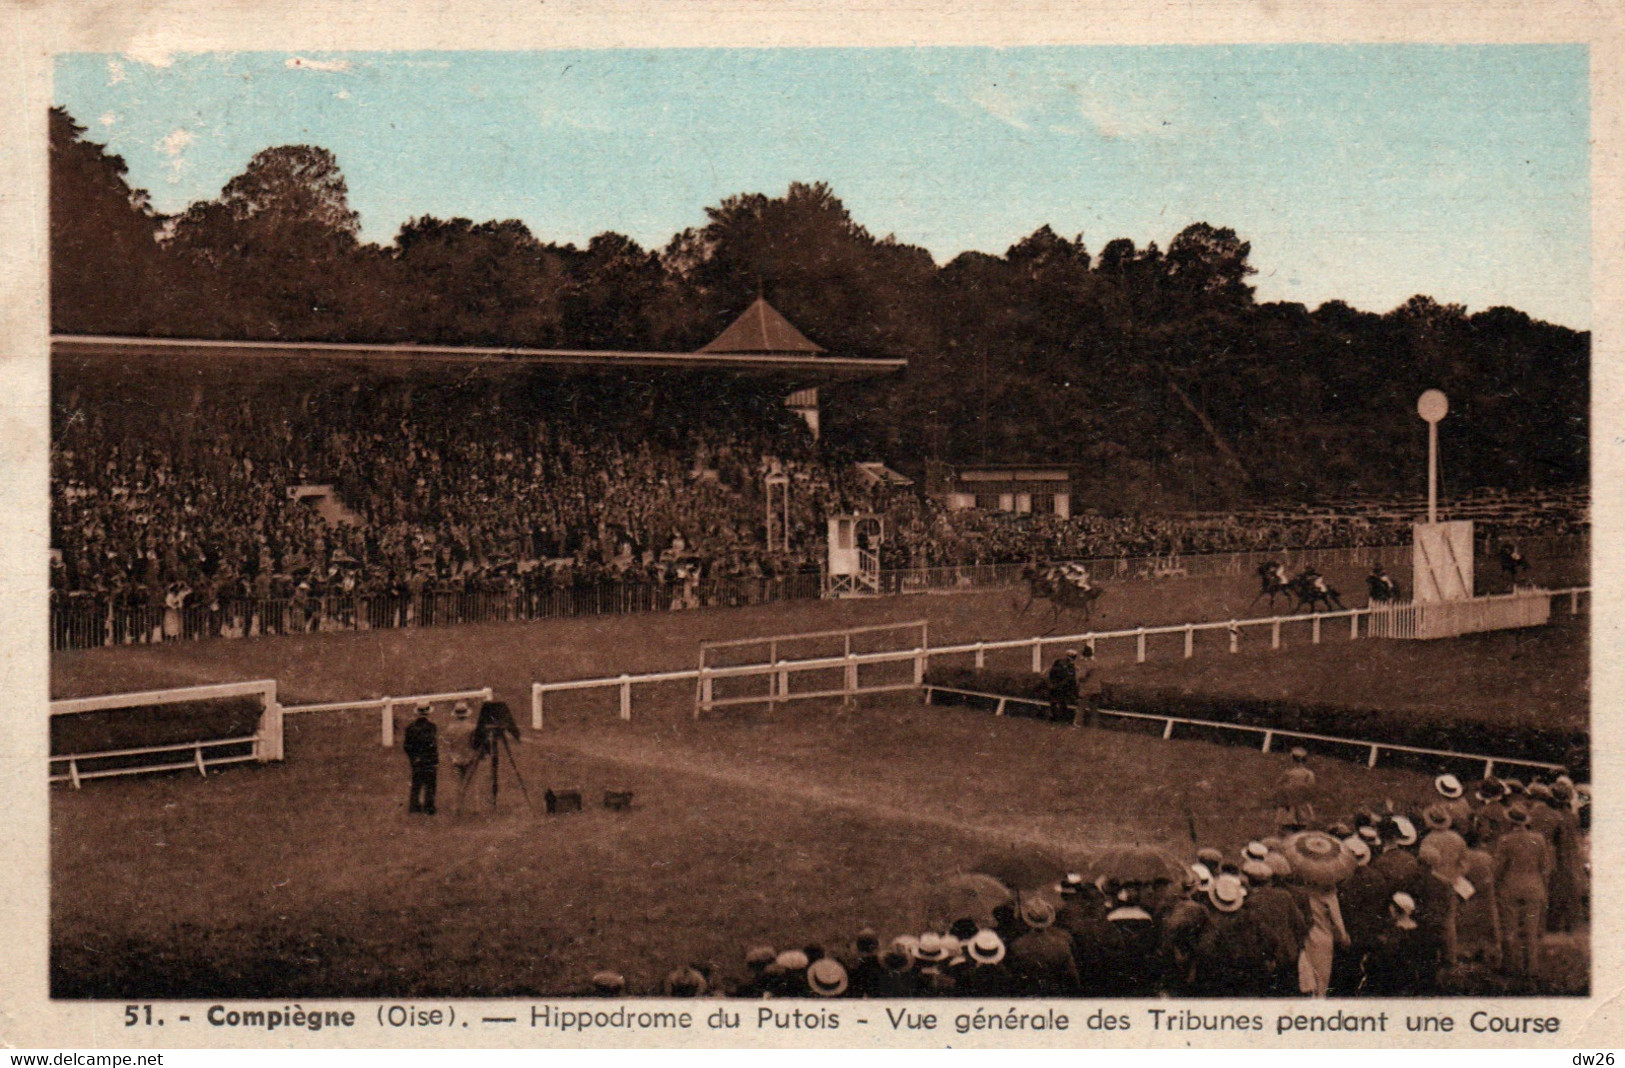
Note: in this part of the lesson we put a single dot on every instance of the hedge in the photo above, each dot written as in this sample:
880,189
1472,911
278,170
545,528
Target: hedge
1529,741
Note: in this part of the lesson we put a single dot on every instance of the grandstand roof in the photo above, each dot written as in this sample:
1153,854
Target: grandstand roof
794,368
762,330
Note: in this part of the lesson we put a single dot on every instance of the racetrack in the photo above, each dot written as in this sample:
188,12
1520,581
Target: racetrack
788,826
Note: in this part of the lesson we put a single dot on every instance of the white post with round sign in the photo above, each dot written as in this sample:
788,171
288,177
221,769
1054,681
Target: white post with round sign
1433,406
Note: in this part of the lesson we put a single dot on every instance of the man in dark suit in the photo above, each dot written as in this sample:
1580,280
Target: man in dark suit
422,746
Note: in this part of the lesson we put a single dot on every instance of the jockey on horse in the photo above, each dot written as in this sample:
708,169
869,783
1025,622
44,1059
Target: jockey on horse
1311,589
1272,582
1380,587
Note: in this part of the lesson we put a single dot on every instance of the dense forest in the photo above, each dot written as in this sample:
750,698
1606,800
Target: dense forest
1154,371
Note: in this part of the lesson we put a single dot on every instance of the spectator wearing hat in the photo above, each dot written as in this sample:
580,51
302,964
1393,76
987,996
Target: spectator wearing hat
608,984
459,739
1091,688
985,974
1396,862
1523,863
1563,888
1040,960
863,967
1233,955
1400,965
1490,819
1478,918
826,978
757,960
1281,922
685,982
1441,853
1454,799
1063,686
1294,795
1363,898
898,978
422,747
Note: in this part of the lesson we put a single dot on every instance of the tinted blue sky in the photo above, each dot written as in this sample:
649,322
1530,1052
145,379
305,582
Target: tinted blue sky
1361,173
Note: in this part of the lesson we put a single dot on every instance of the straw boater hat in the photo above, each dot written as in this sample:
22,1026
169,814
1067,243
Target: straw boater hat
1201,876
608,984
1404,830
1255,851
1279,865
1403,905
792,960
1490,790
1257,871
1227,893
1356,848
1449,786
905,943
1514,786
1540,791
1436,818
1211,857
827,978
1072,884
930,948
684,983
1300,754
1037,913
759,957
955,948
1518,814
987,947
1318,859
1339,829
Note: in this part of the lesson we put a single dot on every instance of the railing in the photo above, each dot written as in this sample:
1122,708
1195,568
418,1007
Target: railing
86,623
75,774
1372,749
386,707
779,671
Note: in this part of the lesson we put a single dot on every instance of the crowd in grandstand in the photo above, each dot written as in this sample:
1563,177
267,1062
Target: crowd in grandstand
1454,894
440,497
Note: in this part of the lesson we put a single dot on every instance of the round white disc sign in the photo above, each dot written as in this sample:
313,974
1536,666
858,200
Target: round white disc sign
1433,405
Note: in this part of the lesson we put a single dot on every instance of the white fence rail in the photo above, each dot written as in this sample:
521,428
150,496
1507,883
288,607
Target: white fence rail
264,744
386,707
778,672
1269,734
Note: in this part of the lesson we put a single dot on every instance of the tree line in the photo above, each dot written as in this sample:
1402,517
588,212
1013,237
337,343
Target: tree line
1154,372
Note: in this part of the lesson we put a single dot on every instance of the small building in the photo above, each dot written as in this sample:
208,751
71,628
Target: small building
1020,489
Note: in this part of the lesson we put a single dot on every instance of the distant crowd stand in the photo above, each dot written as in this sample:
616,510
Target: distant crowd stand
227,522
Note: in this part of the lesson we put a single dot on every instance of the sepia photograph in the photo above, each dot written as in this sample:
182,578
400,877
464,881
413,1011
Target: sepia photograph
823,525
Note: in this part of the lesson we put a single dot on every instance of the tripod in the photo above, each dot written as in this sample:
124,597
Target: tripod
493,736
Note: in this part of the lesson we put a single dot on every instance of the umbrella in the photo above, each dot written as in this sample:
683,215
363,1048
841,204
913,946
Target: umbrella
1135,864
1317,858
971,896
1023,867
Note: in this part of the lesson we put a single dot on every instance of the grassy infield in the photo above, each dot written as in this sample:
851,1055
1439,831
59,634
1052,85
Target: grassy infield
309,879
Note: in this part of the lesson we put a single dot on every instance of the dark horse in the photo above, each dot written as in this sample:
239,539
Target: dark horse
1513,565
1270,585
1308,596
1048,584
1380,592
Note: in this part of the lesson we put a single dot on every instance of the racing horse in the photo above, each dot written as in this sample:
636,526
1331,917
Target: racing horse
1270,585
1513,565
1046,583
1379,592
1311,597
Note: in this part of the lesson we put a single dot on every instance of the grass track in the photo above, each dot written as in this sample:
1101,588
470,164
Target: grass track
308,879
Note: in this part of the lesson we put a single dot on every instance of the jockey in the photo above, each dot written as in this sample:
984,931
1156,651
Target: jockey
1278,574
1381,581
1076,574
1317,581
